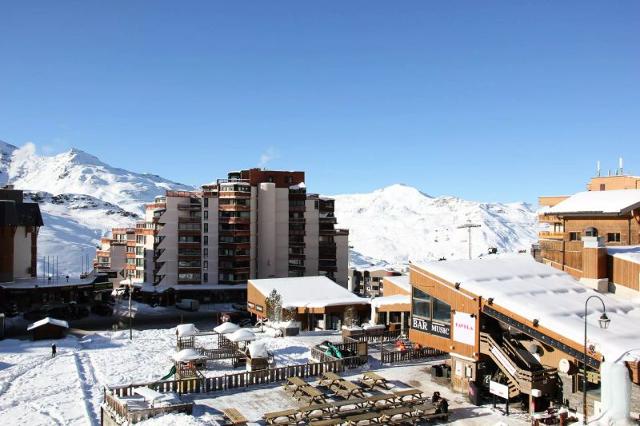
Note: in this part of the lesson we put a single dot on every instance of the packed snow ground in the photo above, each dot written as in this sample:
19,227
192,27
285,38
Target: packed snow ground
36,389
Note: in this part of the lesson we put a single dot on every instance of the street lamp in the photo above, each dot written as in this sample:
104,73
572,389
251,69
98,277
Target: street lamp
604,322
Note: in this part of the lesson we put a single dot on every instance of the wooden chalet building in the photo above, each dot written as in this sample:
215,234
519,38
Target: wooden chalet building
520,323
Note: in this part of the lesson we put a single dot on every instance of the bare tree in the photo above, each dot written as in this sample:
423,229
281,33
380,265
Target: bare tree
273,306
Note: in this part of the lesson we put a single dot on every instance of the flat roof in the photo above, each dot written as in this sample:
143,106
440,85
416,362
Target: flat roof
60,282
309,292
537,291
48,320
598,202
161,288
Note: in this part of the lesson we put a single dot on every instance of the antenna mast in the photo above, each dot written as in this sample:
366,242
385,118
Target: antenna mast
469,225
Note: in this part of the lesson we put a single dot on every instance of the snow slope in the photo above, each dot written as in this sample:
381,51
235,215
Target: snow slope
81,198
399,223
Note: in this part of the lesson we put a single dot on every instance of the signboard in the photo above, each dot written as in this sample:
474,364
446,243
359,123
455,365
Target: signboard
464,328
499,389
439,329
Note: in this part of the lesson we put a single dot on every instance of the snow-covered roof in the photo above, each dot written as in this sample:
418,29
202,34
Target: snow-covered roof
161,288
537,291
300,185
30,283
258,350
396,299
401,281
599,202
310,292
48,320
242,335
226,328
185,330
186,355
628,253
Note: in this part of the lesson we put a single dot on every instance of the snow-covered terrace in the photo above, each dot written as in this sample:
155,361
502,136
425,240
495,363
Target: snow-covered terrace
537,291
598,202
628,253
308,292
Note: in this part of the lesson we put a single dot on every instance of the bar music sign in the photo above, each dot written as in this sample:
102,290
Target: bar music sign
428,326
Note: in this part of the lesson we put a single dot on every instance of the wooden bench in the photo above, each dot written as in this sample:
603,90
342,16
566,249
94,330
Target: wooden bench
371,380
311,395
348,390
372,417
430,411
307,413
388,401
327,422
330,379
233,417
409,395
399,415
291,416
295,385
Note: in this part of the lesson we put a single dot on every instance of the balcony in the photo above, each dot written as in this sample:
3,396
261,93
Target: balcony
189,207
233,208
189,219
548,235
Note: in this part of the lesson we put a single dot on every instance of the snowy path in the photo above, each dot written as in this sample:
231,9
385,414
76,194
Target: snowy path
89,387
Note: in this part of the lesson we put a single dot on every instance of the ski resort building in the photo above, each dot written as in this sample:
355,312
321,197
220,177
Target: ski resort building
520,323
253,224
595,235
393,308
19,225
316,302
369,281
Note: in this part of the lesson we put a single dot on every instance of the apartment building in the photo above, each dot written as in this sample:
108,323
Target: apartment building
595,235
253,224
19,225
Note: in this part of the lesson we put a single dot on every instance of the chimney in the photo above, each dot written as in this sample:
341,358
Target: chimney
594,264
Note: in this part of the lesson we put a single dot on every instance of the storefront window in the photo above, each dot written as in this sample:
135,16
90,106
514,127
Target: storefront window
421,303
441,311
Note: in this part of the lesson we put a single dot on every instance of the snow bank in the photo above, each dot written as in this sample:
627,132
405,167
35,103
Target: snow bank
185,330
242,335
226,328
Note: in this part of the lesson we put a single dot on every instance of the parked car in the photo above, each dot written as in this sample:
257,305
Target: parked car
234,316
188,305
246,323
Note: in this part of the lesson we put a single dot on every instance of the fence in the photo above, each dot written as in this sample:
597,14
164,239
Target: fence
374,337
234,381
389,357
360,349
121,410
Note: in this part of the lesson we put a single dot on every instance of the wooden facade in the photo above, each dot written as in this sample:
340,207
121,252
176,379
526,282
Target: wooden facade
624,273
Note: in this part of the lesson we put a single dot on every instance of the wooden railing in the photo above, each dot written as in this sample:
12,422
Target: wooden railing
233,381
121,411
389,357
358,349
384,337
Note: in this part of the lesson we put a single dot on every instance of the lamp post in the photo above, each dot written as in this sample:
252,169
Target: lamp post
604,324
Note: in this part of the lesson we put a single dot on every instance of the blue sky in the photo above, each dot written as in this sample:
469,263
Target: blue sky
492,100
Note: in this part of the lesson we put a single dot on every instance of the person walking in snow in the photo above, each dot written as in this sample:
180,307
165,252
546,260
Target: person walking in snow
53,350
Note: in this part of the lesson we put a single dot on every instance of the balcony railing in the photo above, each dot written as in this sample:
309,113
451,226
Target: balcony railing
548,235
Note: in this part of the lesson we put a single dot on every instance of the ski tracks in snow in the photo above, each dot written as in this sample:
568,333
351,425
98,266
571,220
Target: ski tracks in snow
88,386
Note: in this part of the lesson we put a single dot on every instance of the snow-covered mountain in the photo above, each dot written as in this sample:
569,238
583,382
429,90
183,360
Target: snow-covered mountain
81,198
399,223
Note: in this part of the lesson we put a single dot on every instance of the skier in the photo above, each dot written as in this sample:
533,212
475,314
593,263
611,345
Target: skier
53,350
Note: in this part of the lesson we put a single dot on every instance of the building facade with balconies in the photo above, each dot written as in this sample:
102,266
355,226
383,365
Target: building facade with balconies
595,235
253,224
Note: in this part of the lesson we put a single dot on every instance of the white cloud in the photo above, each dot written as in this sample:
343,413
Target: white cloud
268,156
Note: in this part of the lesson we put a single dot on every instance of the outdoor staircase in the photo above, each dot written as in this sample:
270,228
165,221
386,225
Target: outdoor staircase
522,371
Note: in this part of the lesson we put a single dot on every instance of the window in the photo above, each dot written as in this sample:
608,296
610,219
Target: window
205,264
206,240
289,179
205,251
591,232
613,237
205,277
602,187
421,303
206,202
206,227
574,236
441,311
206,213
